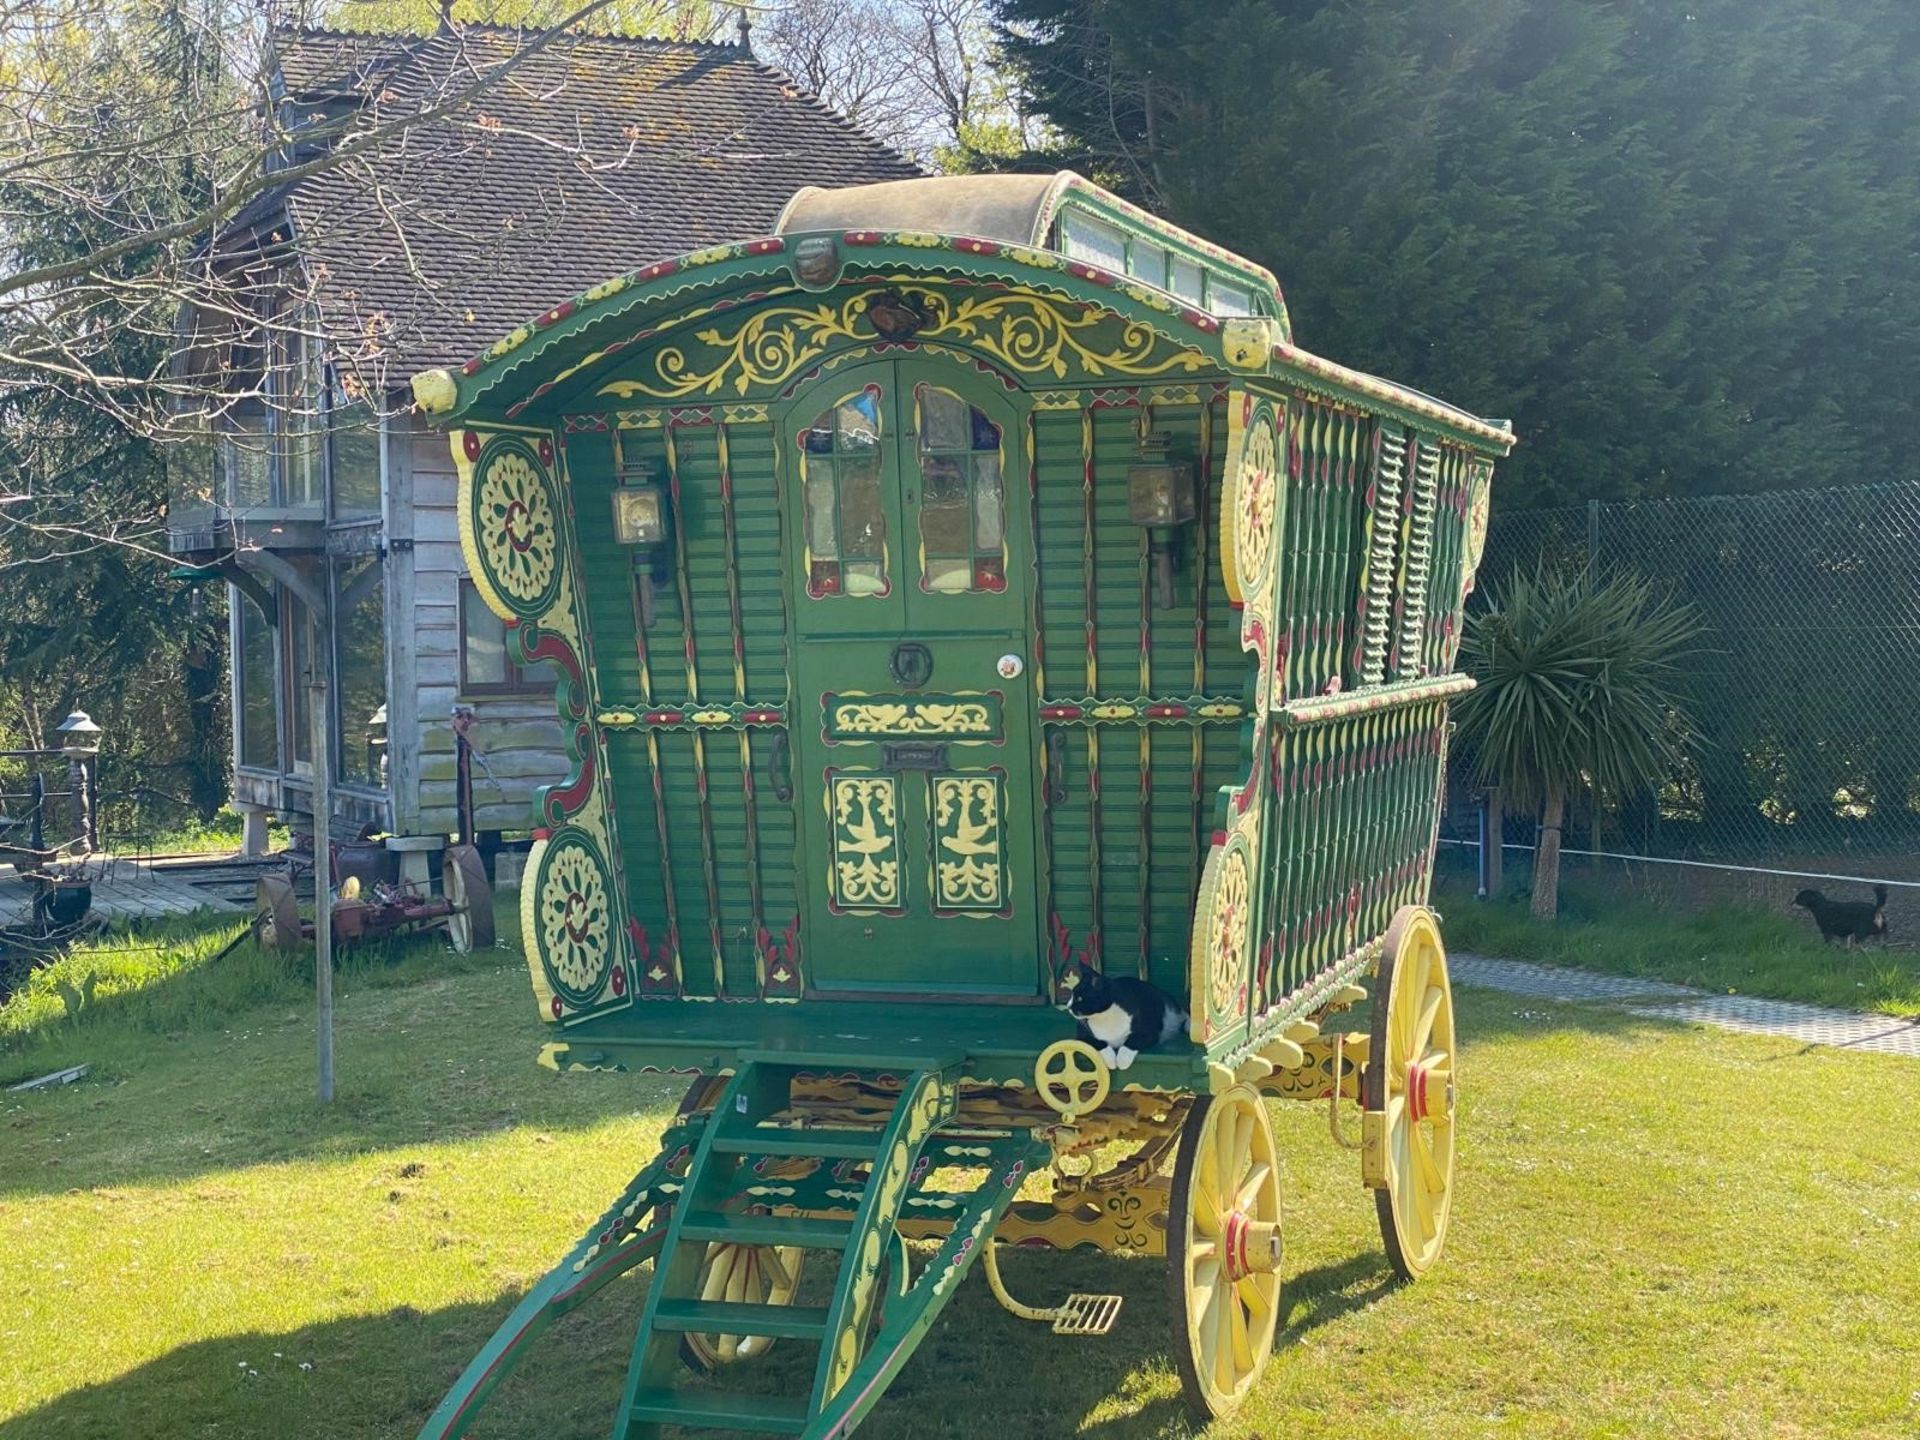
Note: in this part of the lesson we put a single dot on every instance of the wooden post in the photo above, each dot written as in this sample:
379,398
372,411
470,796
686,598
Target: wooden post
1493,828
322,859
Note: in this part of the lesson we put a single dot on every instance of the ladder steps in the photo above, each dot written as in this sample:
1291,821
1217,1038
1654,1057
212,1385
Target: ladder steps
718,1410
721,1317
817,1144
767,1230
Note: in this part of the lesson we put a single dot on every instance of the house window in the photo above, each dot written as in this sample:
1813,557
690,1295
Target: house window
273,450
298,411
296,623
360,633
846,521
355,436
485,666
259,737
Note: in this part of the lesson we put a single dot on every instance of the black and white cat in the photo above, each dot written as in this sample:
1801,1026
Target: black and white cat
1122,1015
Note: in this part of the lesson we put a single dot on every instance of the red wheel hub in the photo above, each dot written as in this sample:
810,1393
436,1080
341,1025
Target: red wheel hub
1233,1246
1416,1091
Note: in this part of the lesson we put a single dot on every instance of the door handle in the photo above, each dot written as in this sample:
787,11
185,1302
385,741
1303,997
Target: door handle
779,771
1056,767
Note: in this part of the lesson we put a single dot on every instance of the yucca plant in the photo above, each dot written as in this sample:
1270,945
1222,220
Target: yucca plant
1582,682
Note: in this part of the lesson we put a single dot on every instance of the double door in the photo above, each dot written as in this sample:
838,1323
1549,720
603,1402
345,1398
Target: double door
914,760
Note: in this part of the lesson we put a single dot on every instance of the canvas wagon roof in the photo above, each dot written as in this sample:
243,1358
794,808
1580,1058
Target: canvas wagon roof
580,160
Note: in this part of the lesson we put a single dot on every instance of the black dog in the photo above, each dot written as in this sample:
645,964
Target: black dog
1848,920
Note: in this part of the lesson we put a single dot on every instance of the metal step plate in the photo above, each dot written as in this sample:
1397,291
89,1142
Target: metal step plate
1087,1315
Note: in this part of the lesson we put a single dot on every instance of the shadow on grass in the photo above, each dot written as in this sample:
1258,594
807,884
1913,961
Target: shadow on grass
978,1371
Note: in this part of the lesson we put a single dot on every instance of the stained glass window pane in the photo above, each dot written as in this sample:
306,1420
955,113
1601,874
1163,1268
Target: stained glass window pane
986,434
821,538
944,527
863,523
859,422
989,506
943,420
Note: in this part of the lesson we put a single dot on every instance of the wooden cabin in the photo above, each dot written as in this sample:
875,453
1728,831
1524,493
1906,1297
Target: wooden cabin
968,577
324,498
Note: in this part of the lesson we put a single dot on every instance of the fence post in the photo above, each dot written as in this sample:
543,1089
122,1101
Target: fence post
1493,834
1593,535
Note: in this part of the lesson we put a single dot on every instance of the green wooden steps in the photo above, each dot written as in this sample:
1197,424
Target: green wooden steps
823,1144
767,1230
716,1410
720,1317
723,1201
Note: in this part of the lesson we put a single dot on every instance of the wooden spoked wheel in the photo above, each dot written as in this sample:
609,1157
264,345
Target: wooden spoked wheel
742,1275
276,914
470,926
1410,1082
1224,1249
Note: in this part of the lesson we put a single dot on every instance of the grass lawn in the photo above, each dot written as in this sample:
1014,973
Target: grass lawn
1657,1231
1731,949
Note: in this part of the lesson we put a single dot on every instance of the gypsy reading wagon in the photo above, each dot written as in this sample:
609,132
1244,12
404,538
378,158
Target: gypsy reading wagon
967,582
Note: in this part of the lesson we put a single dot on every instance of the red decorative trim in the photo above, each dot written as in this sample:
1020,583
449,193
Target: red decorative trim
470,444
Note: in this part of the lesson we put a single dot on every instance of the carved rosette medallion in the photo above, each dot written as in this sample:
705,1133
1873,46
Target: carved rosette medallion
574,914
517,530
1250,512
1223,930
517,536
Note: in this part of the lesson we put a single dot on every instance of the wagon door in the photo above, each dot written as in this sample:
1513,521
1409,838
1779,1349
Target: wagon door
914,766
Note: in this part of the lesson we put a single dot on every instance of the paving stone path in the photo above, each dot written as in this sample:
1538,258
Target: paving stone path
1659,1000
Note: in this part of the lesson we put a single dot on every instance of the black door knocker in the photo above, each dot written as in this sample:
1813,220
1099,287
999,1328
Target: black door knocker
911,664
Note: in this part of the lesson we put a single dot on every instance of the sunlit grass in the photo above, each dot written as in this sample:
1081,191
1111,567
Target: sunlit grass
167,977
1657,1231
1730,949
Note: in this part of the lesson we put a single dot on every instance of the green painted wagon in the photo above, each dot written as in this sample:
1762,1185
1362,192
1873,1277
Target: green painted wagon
969,580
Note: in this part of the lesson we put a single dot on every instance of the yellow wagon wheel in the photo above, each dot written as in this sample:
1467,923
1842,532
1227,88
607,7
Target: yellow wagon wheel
1224,1249
1410,1089
741,1275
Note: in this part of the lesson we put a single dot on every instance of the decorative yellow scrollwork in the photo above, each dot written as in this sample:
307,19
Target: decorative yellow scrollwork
878,718
865,811
1027,333
969,868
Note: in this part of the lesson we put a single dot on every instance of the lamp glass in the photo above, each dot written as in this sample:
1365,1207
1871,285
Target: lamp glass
1160,494
638,516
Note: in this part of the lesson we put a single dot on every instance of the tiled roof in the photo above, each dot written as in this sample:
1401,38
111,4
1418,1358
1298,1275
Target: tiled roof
587,159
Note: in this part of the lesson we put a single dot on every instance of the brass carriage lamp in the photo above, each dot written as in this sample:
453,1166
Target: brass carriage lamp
640,522
1161,499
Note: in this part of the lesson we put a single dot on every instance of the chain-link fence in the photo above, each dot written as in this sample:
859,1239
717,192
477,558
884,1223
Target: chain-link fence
1805,694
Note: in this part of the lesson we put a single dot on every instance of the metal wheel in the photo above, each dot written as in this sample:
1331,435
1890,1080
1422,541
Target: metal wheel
470,926
1407,1153
1223,1249
742,1275
276,914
